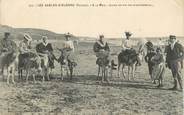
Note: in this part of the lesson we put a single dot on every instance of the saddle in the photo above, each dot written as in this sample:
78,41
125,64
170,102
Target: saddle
102,61
24,58
128,56
67,58
7,58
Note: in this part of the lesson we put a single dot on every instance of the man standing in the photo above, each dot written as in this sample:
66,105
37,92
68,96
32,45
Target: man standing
174,57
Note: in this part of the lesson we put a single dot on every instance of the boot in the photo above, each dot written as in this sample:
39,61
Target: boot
175,85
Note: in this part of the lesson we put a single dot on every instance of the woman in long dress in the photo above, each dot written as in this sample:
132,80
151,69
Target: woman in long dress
159,67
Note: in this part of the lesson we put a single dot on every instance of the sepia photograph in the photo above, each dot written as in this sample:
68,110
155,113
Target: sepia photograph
91,57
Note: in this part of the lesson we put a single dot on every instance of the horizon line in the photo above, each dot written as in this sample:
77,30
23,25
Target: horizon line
162,36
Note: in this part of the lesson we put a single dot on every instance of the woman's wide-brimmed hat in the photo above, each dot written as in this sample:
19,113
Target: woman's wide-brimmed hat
68,35
158,49
128,33
27,37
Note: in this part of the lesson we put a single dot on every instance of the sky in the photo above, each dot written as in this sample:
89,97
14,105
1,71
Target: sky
162,18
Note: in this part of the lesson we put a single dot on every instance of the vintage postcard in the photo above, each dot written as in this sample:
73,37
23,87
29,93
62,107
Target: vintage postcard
91,57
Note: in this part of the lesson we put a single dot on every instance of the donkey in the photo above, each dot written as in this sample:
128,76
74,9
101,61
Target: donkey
67,64
129,60
10,62
31,65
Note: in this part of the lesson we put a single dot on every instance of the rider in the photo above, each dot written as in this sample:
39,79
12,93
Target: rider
24,49
45,50
127,47
68,44
101,48
67,51
7,45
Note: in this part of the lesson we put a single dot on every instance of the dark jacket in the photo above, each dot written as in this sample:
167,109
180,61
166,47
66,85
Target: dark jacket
41,48
97,47
176,54
149,56
9,45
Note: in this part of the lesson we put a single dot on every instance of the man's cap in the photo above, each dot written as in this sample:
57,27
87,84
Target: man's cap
101,36
44,37
7,33
172,37
27,37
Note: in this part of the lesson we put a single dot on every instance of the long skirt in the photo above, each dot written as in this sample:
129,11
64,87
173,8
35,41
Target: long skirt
158,71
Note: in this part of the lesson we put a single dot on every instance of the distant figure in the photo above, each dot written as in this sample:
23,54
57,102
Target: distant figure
160,43
174,57
141,43
158,67
141,49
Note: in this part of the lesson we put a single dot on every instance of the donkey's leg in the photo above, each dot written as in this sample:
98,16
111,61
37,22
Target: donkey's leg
67,71
123,66
19,72
27,75
98,76
47,73
133,71
2,71
62,70
111,72
8,75
71,72
102,74
119,65
34,79
128,73
106,74
98,71
13,74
